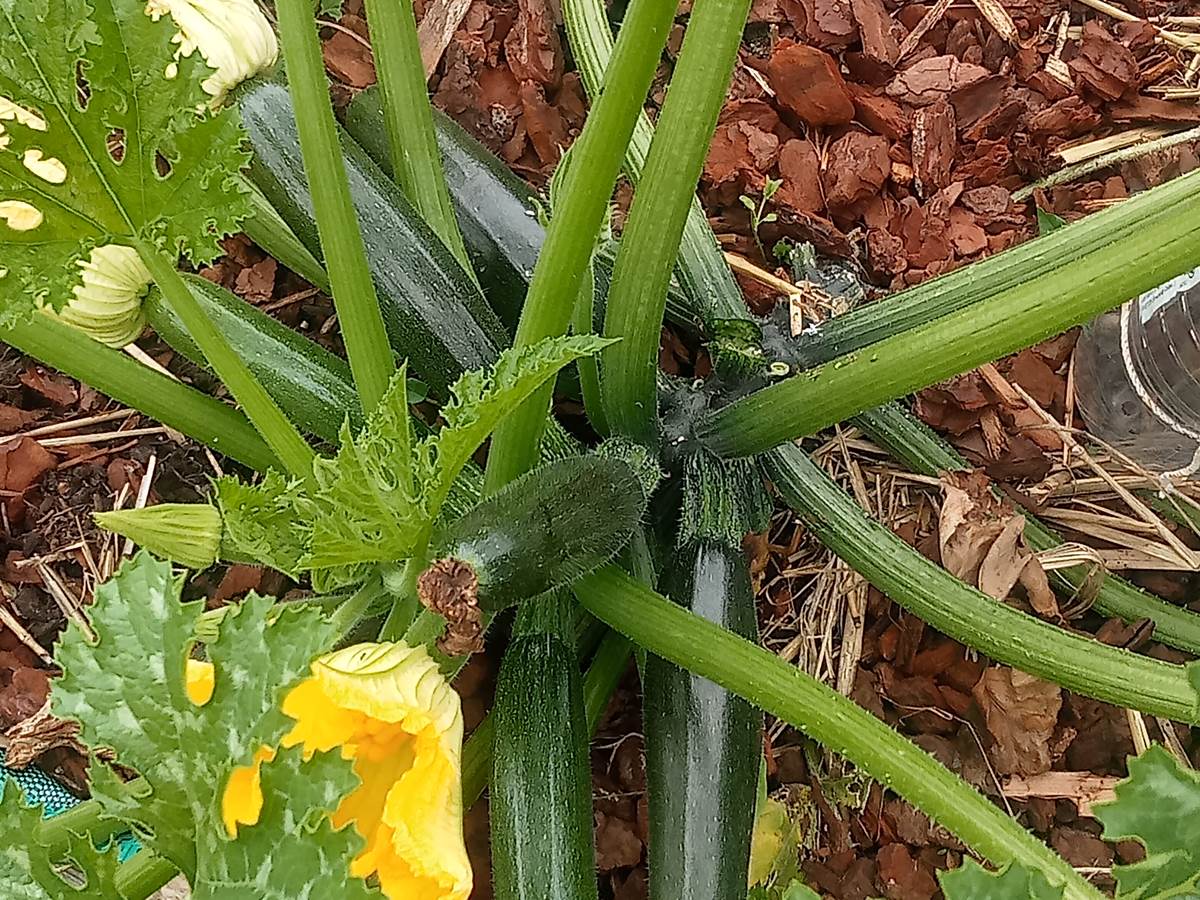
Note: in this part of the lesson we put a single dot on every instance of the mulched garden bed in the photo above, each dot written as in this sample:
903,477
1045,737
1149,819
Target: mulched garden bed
890,136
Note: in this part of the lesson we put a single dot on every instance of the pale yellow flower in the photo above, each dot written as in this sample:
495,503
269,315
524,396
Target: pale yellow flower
387,708
107,303
233,36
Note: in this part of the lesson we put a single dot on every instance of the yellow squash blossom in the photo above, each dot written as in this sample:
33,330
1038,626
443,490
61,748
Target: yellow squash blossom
107,303
387,708
233,36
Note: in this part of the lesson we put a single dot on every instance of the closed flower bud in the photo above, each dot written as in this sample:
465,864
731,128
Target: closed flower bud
186,533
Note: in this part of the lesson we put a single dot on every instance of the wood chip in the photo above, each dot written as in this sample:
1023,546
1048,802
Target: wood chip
998,17
1082,788
441,20
928,21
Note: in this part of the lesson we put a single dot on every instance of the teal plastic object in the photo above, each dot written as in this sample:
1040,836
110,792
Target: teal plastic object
39,789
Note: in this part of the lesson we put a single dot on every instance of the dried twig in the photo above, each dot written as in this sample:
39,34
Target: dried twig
10,621
1070,173
1082,788
1170,37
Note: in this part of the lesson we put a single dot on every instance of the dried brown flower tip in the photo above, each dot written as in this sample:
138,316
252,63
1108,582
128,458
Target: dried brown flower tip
450,588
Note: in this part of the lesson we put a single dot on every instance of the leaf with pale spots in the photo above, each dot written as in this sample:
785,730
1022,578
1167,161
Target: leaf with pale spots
29,871
291,852
100,146
127,691
971,881
1158,805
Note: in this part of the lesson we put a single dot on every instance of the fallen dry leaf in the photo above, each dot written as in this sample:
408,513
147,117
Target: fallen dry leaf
22,463
982,541
1004,561
347,57
58,389
617,843
257,282
1021,712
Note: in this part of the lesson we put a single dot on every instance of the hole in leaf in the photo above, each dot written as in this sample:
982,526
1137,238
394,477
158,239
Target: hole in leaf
83,90
48,169
14,112
116,144
162,164
20,216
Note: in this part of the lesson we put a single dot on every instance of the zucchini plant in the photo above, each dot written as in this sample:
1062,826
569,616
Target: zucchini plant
127,144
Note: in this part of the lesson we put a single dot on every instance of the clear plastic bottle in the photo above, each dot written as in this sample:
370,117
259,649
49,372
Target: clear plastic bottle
1137,377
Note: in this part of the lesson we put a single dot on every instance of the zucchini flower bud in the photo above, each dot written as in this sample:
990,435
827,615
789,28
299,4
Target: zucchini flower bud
107,303
387,708
233,36
187,533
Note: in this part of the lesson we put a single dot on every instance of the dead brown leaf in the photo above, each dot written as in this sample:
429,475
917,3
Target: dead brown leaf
1004,561
348,58
617,843
58,389
257,282
22,463
1021,712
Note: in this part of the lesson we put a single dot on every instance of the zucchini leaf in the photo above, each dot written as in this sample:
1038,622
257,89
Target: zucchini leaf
292,851
971,881
264,522
366,509
107,138
127,691
29,872
796,890
359,509
1159,806
481,400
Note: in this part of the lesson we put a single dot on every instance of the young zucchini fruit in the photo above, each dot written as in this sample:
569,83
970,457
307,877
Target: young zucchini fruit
312,386
703,743
541,789
435,315
496,211
540,532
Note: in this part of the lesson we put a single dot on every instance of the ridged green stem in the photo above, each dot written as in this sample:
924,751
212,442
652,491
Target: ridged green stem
141,876
1014,299
266,228
924,452
416,161
127,381
281,435
595,162
783,690
1007,635
583,322
665,192
702,270
341,242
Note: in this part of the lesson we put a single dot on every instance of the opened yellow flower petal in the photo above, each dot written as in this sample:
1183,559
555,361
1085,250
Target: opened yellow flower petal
201,681
390,710
242,802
